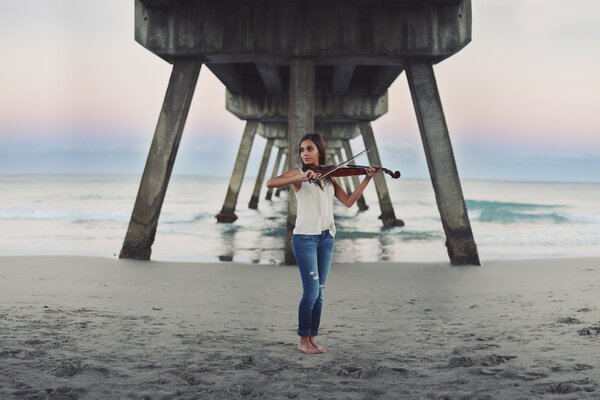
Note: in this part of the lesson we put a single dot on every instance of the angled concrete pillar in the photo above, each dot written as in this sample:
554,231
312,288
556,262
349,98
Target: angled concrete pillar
283,169
362,204
281,189
442,166
339,157
388,217
153,186
275,171
253,204
301,121
227,214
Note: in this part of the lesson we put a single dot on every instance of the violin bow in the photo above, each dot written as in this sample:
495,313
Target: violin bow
340,165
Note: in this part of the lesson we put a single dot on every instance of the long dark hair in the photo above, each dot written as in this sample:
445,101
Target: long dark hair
321,147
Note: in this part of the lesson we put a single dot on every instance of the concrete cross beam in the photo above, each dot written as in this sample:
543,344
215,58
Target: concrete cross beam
333,130
326,108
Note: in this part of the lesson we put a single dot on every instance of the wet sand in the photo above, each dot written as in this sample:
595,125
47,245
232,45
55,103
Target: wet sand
83,327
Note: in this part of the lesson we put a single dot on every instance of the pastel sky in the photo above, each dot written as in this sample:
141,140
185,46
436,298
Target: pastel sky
79,95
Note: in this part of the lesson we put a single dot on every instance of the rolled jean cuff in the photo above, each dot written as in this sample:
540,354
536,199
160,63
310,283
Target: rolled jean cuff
305,332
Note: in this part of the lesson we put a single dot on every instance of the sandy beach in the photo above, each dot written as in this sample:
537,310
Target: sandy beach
83,327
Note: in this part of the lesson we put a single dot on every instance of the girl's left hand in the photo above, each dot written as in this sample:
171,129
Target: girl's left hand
370,172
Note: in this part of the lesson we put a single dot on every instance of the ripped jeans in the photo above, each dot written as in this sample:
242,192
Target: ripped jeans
313,254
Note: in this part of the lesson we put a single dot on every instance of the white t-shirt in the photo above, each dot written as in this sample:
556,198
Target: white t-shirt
315,208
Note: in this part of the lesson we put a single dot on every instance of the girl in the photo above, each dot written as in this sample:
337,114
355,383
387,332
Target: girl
312,239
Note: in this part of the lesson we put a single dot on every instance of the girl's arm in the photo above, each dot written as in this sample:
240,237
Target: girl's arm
349,200
291,177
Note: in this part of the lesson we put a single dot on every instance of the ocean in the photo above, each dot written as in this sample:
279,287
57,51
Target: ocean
89,215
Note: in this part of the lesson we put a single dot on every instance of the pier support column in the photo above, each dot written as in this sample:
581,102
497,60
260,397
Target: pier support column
460,243
301,120
388,217
253,204
339,157
283,169
227,214
161,157
362,204
275,172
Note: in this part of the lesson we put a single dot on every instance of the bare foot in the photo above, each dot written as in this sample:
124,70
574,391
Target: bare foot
314,344
306,347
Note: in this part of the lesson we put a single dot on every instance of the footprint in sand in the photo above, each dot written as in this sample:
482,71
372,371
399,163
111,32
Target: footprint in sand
67,370
569,320
589,331
486,361
566,387
524,376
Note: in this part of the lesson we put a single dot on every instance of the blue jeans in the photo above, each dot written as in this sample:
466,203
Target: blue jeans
313,254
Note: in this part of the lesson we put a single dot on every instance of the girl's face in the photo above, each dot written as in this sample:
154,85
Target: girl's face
309,153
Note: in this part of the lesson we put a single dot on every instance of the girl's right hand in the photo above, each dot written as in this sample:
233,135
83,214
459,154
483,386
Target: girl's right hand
307,175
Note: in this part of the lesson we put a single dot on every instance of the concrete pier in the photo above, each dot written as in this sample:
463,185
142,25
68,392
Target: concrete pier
163,150
298,65
442,166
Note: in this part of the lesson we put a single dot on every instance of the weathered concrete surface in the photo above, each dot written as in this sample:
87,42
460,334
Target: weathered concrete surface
301,121
339,32
163,150
442,166
330,131
253,204
227,213
388,216
327,109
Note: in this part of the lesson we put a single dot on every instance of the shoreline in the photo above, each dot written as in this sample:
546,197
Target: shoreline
138,175
92,327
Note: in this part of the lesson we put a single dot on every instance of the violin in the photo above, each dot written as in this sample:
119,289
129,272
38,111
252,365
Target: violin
349,170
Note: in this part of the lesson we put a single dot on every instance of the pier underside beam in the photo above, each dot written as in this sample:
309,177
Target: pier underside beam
161,157
460,243
227,214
